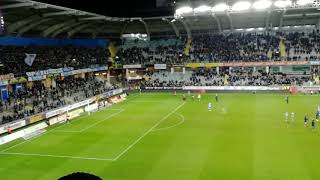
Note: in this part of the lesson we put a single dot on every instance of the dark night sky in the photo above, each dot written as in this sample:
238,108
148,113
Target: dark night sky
119,8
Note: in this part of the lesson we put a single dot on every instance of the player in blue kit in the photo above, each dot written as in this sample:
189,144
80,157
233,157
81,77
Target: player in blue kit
287,99
217,98
305,121
317,115
313,124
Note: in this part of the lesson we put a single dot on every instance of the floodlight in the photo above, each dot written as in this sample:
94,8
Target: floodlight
202,9
262,4
220,7
241,6
184,10
282,3
304,2
260,29
250,29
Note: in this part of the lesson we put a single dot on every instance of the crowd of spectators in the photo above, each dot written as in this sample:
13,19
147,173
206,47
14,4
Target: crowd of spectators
12,58
207,77
38,98
253,46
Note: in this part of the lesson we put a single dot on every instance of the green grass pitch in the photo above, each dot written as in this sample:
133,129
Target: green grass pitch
160,137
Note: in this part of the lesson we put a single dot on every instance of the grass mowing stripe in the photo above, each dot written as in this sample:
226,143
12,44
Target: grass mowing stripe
147,132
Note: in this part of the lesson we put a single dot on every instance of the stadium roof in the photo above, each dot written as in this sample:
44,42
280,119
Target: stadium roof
30,18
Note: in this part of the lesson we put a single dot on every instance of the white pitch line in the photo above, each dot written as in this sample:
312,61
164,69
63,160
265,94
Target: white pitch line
57,156
94,124
166,128
28,140
65,131
148,131
55,130
14,146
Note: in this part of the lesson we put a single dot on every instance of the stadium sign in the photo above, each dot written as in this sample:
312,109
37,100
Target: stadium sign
11,137
160,66
6,77
208,65
68,71
163,88
58,111
314,62
112,93
37,78
267,63
195,65
4,83
49,71
13,126
58,119
250,64
132,66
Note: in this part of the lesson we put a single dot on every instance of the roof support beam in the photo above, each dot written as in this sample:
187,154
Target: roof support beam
32,25
218,23
13,27
318,24
77,29
174,27
268,20
124,28
146,27
54,28
65,28
59,13
17,5
186,27
231,22
94,31
281,20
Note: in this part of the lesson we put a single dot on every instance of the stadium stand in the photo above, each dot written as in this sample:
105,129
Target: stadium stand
38,98
12,58
263,46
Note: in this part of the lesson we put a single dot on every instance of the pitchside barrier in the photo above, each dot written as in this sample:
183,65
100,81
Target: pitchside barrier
22,133
59,114
223,89
238,89
56,116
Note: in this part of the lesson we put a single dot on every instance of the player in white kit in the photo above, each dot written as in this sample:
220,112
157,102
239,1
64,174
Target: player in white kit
292,117
286,114
199,97
209,106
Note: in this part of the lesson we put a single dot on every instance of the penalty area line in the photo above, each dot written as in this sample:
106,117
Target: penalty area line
57,156
169,127
148,131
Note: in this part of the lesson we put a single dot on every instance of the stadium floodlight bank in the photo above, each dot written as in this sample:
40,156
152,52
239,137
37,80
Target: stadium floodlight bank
246,6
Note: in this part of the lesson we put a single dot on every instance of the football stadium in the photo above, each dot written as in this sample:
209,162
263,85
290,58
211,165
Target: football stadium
160,89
